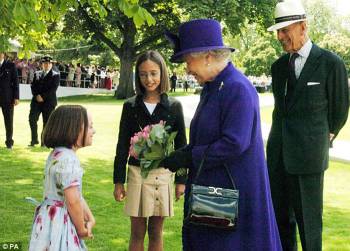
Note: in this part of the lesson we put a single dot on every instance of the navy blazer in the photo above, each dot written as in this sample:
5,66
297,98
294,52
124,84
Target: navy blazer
9,87
318,107
135,116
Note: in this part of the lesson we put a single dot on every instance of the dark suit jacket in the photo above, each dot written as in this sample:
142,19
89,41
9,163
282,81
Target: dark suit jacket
9,87
300,132
46,87
135,116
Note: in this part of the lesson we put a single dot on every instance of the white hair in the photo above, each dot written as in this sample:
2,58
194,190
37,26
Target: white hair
219,54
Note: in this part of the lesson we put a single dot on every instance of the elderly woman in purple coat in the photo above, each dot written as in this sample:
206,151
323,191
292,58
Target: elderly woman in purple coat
226,128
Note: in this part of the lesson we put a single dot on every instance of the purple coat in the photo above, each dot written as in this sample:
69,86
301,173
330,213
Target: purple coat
228,119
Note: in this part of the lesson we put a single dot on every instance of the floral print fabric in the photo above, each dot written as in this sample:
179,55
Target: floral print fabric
52,228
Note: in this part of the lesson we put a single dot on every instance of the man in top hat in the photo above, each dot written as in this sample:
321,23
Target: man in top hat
9,95
44,99
311,106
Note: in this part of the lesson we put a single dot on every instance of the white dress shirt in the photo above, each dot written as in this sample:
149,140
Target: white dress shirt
300,61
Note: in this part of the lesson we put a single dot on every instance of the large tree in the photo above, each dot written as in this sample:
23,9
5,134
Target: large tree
128,38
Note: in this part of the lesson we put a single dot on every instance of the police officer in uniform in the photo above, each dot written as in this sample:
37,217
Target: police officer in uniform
44,99
9,95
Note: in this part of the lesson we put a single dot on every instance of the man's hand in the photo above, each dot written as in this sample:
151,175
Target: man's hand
39,98
119,192
16,102
179,191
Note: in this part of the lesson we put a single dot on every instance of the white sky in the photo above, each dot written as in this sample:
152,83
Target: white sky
342,6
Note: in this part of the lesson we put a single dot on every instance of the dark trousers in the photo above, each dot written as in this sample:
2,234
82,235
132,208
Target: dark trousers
298,200
7,112
35,110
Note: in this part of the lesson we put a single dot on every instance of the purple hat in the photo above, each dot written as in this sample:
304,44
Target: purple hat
195,36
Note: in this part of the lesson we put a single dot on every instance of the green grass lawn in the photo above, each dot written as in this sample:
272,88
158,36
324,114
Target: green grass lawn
21,173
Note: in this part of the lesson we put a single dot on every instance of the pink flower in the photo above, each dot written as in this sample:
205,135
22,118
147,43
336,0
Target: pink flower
52,212
132,152
56,154
76,240
145,135
38,219
135,139
147,129
59,203
65,218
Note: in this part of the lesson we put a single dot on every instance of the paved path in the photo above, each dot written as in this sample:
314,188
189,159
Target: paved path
339,152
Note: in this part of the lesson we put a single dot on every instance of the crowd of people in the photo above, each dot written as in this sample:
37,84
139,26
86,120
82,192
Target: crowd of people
89,76
277,194
184,82
262,83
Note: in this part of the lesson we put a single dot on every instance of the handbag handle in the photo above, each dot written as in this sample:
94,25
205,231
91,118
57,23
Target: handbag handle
201,167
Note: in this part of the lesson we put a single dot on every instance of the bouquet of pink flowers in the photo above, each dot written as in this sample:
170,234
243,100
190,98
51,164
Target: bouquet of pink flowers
151,145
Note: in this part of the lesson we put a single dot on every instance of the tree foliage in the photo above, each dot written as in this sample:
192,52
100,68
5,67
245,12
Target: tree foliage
321,20
339,44
328,30
28,21
259,58
128,39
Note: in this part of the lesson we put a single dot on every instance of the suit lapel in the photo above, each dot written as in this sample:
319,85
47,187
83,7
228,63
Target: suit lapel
2,65
281,80
309,68
47,75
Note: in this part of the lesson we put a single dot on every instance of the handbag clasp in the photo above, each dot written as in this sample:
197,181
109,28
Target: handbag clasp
215,190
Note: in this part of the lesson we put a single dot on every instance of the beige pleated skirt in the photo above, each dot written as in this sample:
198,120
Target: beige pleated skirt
152,196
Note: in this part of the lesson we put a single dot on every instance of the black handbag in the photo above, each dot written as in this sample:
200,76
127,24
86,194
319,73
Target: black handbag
213,206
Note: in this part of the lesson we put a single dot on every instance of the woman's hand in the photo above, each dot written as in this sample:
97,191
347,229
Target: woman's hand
119,192
179,191
177,159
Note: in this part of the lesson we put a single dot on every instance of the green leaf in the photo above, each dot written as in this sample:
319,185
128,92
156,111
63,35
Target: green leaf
149,18
144,173
171,137
138,21
147,165
156,155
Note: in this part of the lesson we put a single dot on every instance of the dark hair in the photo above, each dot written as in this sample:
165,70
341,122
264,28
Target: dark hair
155,57
64,126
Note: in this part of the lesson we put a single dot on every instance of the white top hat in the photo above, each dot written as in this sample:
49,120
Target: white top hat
287,13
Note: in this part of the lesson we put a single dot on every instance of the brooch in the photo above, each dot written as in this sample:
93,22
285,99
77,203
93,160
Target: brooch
221,85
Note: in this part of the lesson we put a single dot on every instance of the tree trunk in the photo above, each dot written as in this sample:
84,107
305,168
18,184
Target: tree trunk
126,82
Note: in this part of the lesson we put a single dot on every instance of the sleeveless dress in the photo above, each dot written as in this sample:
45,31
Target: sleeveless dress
52,227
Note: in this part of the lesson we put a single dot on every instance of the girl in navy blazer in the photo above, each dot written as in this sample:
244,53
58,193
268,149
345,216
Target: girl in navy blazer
148,200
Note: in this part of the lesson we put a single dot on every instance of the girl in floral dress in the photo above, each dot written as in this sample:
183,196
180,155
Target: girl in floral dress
63,219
